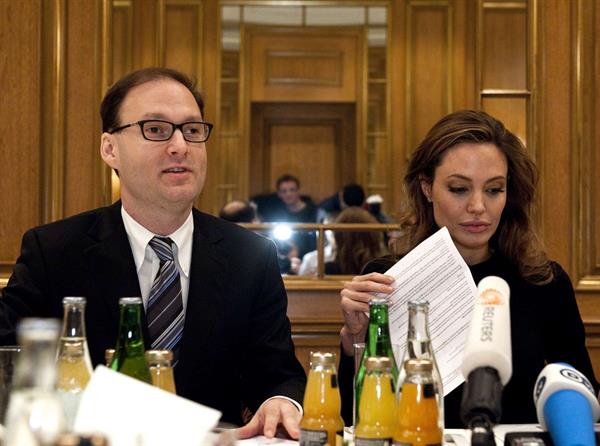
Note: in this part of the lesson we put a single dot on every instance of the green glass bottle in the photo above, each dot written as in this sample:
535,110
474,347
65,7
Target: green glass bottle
377,343
129,351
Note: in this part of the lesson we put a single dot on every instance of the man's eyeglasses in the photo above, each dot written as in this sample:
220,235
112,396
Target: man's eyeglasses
157,130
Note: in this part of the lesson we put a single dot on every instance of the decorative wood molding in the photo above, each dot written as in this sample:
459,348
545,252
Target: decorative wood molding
584,169
292,59
53,129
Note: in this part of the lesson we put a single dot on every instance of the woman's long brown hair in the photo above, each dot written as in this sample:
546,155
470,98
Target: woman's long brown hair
515,237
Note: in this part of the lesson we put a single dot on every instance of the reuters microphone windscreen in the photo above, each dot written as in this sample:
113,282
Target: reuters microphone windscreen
566,405
489,341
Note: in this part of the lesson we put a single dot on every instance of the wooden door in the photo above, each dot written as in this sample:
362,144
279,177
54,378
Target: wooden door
314,142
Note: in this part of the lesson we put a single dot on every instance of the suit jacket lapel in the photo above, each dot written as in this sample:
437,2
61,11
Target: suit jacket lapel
207,284
111,261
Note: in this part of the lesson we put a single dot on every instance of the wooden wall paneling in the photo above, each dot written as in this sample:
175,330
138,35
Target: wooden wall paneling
429,73
503,48
20,156
83,166
504,65
316,319
304,64
586,187
512,111
464,95
180,42
146,33
553,108
210,55
122,38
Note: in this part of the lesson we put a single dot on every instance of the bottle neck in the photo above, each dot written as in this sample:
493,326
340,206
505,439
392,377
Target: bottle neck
378,333
73,321
418,329
130,329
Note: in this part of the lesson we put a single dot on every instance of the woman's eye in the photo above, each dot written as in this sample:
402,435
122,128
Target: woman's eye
457,190
495,190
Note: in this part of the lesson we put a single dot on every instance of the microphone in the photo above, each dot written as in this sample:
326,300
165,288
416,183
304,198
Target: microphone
487,361
566,405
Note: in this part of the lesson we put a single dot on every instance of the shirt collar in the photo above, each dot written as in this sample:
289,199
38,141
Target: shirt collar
139,237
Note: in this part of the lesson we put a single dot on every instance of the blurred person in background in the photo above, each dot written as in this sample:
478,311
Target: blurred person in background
238,211
350,195
298,209
353,249
309,265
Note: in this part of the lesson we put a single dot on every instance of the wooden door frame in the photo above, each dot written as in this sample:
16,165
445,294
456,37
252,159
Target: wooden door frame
265,115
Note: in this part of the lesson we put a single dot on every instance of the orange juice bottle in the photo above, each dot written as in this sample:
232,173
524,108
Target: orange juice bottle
377,406
322,423
418,409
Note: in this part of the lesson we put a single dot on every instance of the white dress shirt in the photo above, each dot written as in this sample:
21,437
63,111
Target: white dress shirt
147,262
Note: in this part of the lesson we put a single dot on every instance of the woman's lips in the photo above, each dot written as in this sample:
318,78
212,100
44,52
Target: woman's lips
475,227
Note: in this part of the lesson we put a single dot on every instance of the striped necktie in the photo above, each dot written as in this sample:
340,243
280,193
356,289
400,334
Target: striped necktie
165,305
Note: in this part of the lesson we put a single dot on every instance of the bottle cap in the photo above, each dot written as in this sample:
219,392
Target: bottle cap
382,363
72,300
108,355
130,300
418,365
319,358
423,305
39,329
153,356
378,301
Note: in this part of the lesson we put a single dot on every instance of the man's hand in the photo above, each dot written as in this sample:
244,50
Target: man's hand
270,414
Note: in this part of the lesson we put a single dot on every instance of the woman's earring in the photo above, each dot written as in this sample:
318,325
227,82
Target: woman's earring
428,198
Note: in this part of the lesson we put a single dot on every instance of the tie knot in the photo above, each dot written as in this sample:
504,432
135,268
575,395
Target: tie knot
162,248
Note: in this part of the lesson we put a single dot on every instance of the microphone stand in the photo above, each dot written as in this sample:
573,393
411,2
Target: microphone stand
482,405
482,433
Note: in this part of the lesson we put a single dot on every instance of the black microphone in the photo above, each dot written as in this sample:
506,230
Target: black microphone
487,362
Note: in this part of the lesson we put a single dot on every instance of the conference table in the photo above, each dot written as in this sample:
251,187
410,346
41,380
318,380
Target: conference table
452,437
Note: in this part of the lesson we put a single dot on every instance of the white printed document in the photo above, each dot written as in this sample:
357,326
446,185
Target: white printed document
130,412
434,271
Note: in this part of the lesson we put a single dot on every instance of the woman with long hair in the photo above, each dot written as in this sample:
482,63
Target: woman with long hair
355,249
475,177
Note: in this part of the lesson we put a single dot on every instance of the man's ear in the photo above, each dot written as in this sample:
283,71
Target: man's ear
108,150
426,188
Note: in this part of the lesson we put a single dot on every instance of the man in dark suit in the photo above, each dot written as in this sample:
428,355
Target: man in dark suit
234,345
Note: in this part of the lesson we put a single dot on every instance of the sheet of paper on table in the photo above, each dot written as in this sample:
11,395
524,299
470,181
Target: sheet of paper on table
130,412
434,271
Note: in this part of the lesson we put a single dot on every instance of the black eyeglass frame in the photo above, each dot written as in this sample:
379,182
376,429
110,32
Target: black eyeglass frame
173,125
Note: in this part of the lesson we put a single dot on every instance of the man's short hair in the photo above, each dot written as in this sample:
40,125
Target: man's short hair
238,212
286,178
114,97
353,195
